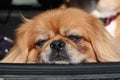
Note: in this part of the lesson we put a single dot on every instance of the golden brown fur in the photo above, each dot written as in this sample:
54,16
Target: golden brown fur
117,30
105,10
101,9
94,45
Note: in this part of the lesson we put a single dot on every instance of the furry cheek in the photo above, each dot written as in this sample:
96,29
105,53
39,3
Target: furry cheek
82,47
76,56
45,53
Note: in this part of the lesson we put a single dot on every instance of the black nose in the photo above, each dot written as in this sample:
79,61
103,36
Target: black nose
57,45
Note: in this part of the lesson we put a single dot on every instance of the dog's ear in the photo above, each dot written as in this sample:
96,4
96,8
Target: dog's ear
19,52
16,55
22,51
104,46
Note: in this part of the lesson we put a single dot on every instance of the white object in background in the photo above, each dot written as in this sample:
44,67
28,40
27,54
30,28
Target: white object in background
24,2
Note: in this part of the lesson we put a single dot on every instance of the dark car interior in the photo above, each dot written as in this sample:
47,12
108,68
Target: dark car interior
10,18
10,12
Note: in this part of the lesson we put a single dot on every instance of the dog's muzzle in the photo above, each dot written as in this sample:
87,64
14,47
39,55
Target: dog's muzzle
58,51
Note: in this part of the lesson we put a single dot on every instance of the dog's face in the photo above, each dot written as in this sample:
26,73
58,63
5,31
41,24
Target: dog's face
62,36
64,42
62,39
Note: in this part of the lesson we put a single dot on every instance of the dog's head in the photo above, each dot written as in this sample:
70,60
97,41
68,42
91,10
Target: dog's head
63,36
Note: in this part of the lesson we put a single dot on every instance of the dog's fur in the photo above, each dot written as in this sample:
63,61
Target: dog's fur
84,38
101,9
107,9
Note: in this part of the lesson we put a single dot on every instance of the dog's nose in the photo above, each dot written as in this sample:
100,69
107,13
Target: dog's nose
57,45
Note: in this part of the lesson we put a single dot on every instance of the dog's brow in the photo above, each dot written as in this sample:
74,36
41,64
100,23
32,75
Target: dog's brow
43,37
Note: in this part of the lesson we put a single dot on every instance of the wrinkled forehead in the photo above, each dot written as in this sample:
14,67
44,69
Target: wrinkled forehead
63,23
63,28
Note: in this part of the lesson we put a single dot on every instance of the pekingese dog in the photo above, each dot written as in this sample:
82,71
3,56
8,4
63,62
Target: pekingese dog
63,36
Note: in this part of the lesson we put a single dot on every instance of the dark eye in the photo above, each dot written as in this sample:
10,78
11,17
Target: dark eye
74,37
41,42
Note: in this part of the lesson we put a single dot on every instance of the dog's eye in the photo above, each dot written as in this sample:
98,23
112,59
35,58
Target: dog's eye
40,42
74,38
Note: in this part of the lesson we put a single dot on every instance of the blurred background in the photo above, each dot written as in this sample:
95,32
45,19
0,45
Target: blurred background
10,12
